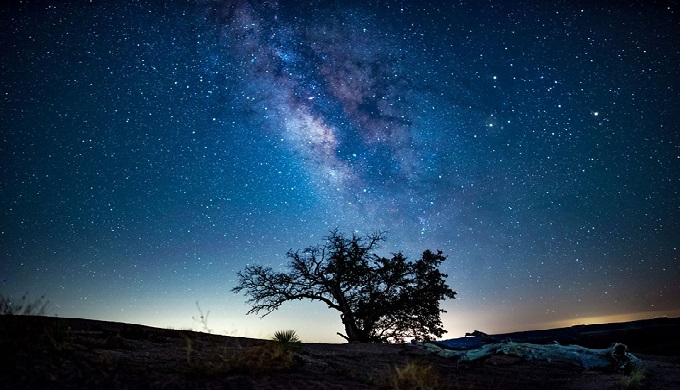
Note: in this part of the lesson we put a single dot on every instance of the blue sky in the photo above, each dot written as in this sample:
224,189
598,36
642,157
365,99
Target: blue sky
150,151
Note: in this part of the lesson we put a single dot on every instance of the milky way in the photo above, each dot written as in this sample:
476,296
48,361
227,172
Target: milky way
339,98
150,151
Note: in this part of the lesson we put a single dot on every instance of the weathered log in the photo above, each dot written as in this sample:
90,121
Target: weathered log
614,357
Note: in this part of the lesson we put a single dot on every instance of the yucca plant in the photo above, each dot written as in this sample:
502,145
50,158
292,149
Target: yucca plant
286,337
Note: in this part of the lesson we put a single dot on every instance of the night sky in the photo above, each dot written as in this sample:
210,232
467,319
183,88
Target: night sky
150,150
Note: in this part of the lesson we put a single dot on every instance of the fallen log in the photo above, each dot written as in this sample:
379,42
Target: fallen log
612,358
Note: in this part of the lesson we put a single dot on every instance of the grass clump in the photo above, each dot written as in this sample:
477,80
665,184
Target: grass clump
254,361
266,358
634,379
412,376
263,358
59,334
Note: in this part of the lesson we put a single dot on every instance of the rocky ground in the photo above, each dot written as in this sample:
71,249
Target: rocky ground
43,352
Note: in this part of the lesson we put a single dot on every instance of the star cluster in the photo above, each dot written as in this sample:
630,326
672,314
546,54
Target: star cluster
150,151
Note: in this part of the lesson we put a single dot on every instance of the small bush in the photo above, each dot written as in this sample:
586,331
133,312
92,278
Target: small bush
203,319
23,306
412,376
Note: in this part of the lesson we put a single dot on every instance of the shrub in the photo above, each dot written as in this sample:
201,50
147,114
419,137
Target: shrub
23,306
203,319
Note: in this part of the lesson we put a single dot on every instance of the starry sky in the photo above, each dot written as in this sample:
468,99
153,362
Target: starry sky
150,150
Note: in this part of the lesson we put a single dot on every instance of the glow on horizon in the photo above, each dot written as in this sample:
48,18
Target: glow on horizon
613,318
319,325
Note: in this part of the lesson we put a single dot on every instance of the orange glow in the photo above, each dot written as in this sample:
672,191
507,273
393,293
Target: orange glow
612,318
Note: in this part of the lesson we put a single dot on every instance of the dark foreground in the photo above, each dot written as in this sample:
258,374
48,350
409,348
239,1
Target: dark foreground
43,352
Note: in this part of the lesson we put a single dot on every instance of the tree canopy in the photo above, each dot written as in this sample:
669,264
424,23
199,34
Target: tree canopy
380,299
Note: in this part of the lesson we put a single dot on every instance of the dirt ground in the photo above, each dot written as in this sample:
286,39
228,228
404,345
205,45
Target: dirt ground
42,352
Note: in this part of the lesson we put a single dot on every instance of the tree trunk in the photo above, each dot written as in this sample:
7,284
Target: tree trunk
354,334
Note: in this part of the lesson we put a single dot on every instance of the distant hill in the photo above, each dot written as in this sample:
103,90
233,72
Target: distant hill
659,336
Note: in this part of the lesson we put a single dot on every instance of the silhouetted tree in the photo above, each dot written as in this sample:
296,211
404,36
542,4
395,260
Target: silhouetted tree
380,299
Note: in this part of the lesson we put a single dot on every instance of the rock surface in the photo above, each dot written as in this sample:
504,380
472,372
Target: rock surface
42,352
